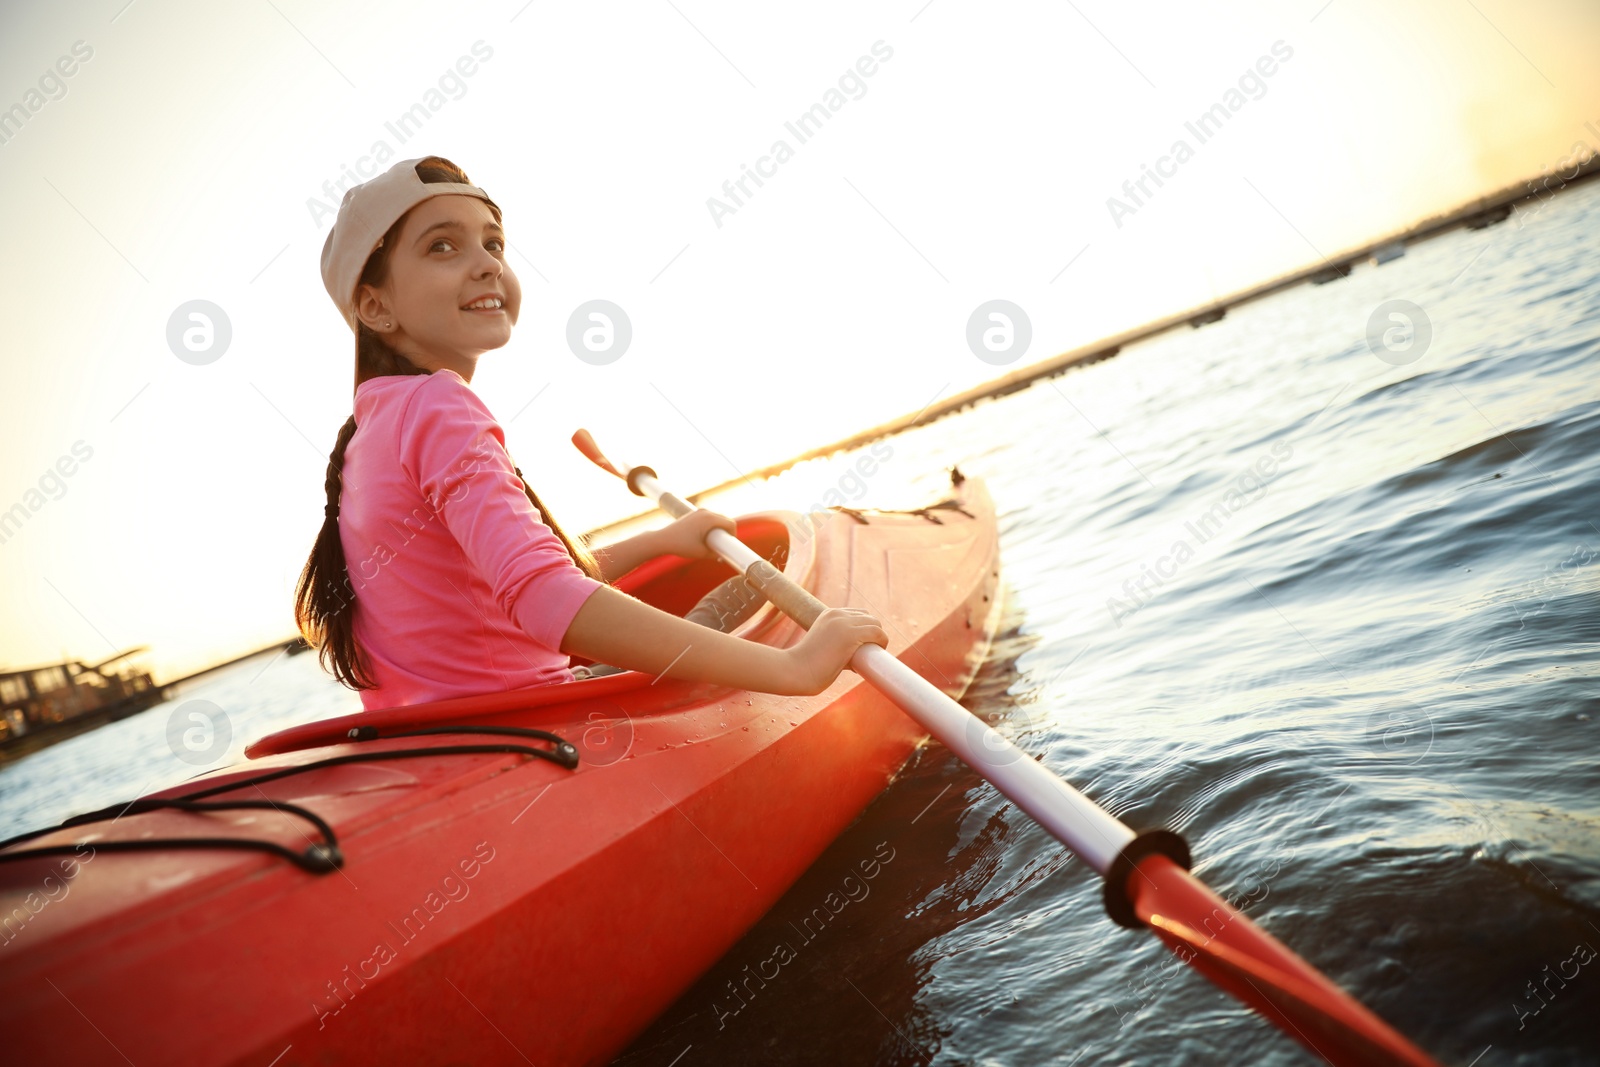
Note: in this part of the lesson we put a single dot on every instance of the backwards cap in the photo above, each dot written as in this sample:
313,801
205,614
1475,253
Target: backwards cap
366,214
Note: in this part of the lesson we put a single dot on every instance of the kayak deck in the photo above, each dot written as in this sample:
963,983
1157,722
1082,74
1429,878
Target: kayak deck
501,906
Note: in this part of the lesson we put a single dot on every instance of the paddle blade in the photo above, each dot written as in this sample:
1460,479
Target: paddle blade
1247,962
586,445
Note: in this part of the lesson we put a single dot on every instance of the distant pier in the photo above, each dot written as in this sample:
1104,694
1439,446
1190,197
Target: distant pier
44,705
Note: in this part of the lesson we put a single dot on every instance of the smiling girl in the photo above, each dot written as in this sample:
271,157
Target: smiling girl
462,582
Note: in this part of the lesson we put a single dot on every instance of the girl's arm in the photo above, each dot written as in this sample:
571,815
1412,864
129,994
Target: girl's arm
613,627
685,537
620,557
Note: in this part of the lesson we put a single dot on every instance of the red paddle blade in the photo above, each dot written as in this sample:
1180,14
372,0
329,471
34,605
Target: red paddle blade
1259,970
586,445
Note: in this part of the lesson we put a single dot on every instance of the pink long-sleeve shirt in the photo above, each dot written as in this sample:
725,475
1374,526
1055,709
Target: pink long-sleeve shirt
460,588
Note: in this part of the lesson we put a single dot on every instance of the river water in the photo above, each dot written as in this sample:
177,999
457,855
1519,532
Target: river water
1323,600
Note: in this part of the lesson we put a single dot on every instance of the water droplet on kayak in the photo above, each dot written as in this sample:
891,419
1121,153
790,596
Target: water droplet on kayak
746,729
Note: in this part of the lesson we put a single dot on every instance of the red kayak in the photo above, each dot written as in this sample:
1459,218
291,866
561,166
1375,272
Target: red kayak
529,876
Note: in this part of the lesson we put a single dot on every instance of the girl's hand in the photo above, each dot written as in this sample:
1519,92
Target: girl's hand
687,536
826,648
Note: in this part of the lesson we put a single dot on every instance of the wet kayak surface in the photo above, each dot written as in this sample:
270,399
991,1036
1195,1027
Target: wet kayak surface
1331,616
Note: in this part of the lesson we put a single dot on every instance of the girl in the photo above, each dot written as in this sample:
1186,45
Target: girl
438,572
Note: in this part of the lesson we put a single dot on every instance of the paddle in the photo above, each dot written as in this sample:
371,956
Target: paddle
1147,882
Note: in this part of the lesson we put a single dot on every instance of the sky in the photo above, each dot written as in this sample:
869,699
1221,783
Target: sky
965,153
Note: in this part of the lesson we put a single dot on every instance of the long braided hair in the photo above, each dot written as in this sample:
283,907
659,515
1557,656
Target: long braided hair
325,594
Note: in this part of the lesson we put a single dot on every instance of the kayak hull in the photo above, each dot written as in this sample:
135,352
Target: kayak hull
493,908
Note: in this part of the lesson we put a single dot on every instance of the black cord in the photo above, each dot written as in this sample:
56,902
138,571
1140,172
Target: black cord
564,753
319,858
368,757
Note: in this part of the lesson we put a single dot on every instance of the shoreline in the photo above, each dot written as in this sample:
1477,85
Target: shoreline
1480,210
282,647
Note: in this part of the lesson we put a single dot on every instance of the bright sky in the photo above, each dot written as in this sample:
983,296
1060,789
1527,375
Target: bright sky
184,156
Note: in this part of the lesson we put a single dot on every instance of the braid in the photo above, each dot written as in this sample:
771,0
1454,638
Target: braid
324,591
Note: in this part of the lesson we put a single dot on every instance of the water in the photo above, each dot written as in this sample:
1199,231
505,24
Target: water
1368,699
1366,693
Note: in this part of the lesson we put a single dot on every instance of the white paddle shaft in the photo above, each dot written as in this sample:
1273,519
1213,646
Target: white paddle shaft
1075,820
